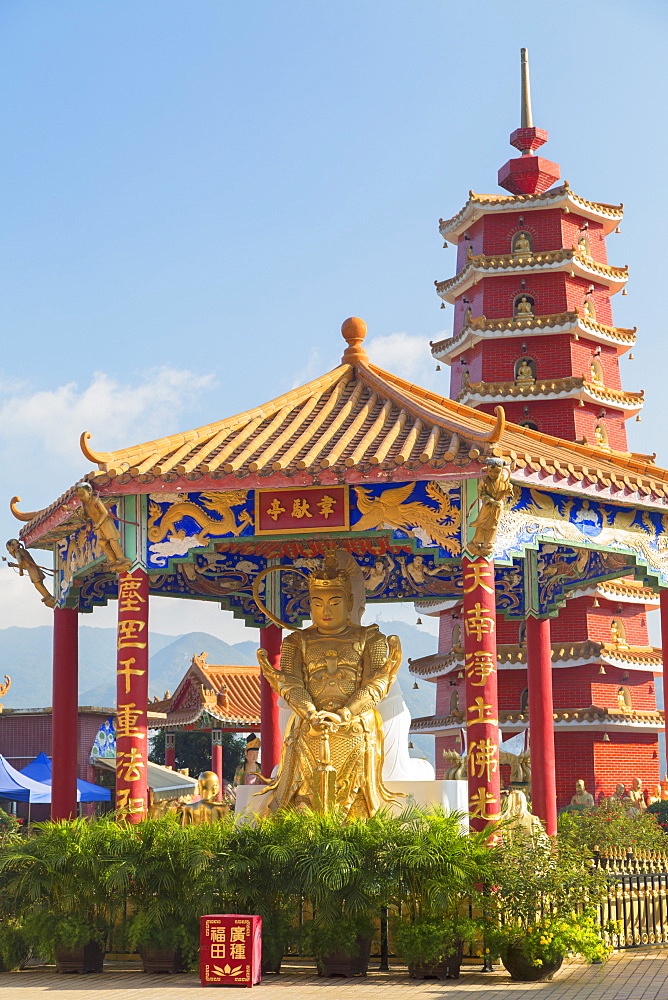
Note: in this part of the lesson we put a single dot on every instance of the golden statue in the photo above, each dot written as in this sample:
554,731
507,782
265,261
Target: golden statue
332,675
521,244
4,688
525,372
104,527
523,307
493,489
596,371
25,564
208,809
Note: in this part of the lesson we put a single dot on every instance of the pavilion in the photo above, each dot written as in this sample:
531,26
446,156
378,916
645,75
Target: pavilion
433,500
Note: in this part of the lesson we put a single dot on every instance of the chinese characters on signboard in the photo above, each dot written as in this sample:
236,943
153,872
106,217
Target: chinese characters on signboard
482,725
132,695
230,950
309,510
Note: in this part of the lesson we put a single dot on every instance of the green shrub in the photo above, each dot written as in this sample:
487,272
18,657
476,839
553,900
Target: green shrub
660,811
610,825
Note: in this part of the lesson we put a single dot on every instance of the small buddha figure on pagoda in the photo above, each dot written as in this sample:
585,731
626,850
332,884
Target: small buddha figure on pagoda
523,307
525,375
521,243
596,371
332,675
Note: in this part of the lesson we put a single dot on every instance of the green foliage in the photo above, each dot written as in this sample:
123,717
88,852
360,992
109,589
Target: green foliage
193,750
429,940
338,935
542,901
8,825
660,811
610,825
551,938
14,945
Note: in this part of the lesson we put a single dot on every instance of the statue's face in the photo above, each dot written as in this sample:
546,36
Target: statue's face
330,610
208,785
251,756
579,787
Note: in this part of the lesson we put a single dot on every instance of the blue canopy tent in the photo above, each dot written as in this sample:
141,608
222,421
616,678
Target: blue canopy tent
39,769
19,787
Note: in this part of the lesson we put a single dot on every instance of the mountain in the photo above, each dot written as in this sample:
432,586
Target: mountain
26,654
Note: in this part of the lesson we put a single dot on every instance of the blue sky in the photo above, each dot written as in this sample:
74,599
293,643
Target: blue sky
196,194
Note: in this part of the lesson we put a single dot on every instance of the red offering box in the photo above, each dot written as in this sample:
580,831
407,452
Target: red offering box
230,949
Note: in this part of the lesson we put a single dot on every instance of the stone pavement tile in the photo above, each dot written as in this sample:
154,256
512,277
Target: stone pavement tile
632,975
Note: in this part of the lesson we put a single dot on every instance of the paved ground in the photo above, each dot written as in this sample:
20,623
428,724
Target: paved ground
631,975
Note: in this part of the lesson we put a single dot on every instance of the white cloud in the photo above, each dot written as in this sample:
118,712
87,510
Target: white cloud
409,356
49,423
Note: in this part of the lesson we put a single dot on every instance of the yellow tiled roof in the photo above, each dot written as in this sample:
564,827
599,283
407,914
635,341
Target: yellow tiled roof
354,419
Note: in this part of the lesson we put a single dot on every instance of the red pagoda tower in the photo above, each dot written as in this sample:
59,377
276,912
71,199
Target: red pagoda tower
533,331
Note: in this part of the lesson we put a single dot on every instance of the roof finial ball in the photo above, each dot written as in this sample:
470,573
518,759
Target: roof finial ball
354,332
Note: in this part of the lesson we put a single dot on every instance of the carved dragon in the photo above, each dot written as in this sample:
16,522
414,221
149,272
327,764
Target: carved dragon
391,509
4,688
160,525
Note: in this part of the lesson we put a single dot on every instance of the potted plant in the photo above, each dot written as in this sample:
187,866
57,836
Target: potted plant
541,908
435,868
253,871
161,871
339,864
55,883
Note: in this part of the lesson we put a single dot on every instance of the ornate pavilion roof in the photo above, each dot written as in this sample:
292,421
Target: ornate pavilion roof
561,196
222,696
356,424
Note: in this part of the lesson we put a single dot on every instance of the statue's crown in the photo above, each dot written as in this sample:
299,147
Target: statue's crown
329,576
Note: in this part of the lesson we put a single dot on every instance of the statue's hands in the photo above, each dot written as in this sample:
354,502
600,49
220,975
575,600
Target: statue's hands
325,720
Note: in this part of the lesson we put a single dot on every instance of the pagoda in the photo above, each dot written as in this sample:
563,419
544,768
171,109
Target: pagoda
533,330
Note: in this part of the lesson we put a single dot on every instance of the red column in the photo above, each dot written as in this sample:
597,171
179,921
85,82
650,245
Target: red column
217,758
270,735
664,656
170,750
482,703
65,718
132,696
541,722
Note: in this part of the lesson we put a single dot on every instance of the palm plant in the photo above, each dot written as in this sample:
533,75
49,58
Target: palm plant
55,883
161,871
253,871
435,869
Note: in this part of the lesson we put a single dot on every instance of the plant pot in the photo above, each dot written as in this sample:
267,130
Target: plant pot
338,963
447,968
519,966
88,958
272,963
161,960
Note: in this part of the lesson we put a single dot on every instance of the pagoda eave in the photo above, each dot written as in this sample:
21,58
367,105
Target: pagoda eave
552,262
558,197
564,657
582,720
571,323
481,393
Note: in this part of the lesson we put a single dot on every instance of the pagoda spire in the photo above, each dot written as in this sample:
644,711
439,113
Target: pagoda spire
529,174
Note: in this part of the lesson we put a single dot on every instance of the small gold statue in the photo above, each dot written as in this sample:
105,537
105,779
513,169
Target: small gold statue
25,564
523,307
493,489
4,688
519,820
525,373
332,675
104,527
521,243
208,809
